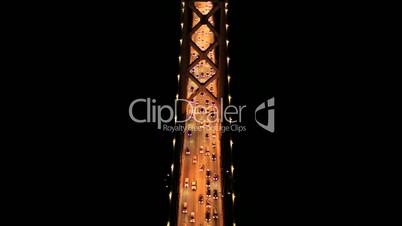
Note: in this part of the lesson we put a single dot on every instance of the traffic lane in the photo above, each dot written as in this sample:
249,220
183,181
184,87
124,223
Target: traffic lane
211,166
185,194
197,175
216,185
201,178
194,143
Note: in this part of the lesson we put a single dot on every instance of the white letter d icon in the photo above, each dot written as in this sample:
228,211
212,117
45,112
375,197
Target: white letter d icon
271,115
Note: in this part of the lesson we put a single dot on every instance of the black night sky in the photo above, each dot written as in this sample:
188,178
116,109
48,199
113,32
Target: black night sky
82,160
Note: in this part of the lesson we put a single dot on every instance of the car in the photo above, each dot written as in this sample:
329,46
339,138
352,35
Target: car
187,151
206,135
215,214
201,199
213,144
214,134
208,216
202,168
215,177
208,183
186,180
201,124
189,133
207,153
207,125
215,195
194,185
208,192
208,204
208,173
192,217
184,210
201,149
194,159
213,157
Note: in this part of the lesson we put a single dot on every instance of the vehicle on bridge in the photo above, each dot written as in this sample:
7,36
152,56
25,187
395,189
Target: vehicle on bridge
201,199
215,194
192,217
208,216
215,214
184,208
215,177
194,185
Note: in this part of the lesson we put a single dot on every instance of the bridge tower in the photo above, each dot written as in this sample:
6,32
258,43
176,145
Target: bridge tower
202,82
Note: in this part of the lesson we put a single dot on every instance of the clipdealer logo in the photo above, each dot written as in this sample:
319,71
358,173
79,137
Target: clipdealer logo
269,104
164,114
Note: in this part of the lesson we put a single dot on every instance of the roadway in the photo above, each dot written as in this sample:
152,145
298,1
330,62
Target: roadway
190,169
193,172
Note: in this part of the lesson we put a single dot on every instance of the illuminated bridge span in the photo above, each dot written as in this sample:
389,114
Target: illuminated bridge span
200,197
